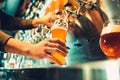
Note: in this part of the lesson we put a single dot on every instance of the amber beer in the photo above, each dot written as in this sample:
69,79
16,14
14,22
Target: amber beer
59,32
110,41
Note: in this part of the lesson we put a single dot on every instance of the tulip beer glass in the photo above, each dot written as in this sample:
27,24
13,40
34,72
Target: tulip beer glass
59,30
110,39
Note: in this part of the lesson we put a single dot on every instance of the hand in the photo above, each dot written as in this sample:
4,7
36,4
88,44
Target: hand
47,46
47,19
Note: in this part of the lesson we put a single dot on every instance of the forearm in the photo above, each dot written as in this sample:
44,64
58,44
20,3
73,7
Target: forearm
22,24
17,24
17,47
13,23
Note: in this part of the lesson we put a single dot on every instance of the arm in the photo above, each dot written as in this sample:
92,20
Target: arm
14,23
37,51
3,39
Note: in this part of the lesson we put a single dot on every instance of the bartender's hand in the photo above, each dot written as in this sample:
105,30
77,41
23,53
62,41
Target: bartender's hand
37,51
47,19
46,47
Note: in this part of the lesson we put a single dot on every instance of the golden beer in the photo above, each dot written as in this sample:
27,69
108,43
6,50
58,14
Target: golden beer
60,33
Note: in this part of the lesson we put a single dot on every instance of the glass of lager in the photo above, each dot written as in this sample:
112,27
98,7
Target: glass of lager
59,30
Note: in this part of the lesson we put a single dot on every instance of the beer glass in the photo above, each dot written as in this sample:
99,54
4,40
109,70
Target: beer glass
110,39
59,30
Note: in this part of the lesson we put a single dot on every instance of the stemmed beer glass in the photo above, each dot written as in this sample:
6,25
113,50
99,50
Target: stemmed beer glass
110,39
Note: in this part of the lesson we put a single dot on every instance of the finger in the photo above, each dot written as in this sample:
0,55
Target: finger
58,46
56,40
58,51
50,57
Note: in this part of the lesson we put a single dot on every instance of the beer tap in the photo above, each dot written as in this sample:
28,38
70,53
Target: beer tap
85,26
70,12
94,12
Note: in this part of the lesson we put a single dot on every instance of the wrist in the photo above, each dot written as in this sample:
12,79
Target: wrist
18,47
37,22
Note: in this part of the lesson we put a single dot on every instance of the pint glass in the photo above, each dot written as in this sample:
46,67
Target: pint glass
59,30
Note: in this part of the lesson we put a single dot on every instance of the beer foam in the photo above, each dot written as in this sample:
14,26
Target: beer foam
111,29
58,28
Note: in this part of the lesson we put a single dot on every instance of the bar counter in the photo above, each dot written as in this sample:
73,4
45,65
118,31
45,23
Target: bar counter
97,70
